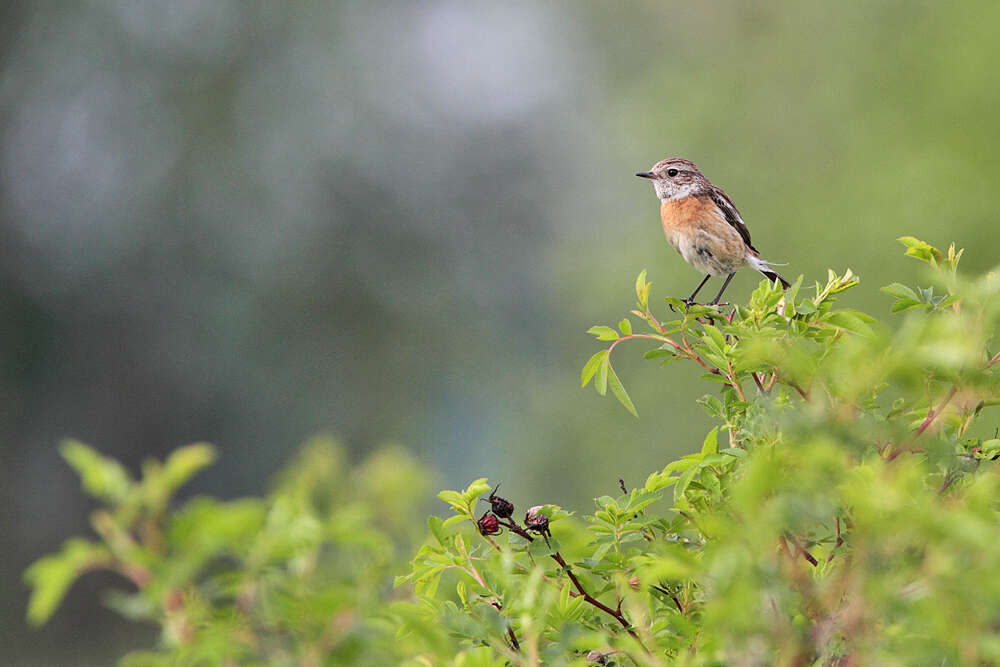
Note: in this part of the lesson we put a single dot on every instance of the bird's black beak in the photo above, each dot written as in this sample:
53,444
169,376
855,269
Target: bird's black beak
646,174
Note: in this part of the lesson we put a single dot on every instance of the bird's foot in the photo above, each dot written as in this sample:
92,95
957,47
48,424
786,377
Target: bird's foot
687,301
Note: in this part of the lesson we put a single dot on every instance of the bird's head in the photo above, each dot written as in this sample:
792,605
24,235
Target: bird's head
676,177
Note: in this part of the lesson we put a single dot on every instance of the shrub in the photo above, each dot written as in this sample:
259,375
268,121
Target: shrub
843,511
299,577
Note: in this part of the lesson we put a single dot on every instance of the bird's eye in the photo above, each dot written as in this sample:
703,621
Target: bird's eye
671,172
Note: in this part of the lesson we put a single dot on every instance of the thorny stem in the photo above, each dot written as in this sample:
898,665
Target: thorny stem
950,477
933,413
801,550
670,595
557,557
804,393
904,450
689,352
510,631
734,383
694,355
840,541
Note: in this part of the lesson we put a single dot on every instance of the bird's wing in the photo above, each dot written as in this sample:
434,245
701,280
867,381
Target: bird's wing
733,217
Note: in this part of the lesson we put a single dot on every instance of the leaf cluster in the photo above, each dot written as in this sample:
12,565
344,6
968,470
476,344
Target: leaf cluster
842,511
301,576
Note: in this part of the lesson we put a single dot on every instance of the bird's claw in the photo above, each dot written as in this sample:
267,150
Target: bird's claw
688,302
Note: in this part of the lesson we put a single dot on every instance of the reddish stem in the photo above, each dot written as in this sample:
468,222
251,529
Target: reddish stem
557,557
934,412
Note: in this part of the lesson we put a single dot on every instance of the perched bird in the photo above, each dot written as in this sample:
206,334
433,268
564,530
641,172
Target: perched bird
703,225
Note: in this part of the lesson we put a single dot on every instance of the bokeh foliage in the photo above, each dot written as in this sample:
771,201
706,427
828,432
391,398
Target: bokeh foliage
301,576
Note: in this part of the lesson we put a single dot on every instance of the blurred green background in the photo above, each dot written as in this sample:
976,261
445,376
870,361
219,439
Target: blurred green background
248,221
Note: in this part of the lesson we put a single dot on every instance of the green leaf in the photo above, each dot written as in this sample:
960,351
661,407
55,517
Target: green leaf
603,332
625,326
715,340
712,406
711,443
101,477
538,548
436,526
51,576
659,480
475,489
685,481
851,320
677,304
591,367
184,462
902,305
619,391
642,289
899,290
450,497
921,250
601,381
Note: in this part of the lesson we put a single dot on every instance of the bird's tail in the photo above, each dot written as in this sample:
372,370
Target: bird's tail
768,270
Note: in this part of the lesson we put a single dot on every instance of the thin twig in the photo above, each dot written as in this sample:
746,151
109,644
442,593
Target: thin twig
670,595
800,549
934,412
557,557
510,631
840,541
950,478
904,450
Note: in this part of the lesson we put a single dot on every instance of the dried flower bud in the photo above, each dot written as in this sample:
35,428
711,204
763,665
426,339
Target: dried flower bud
502,507
536,521
488,524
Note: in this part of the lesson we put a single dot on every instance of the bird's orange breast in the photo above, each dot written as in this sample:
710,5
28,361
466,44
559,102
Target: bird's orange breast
699,231
688,214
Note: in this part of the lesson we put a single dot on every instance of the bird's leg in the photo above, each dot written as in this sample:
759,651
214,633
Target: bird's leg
718,296
690,300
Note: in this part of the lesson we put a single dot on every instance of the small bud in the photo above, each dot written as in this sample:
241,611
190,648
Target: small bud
488,524
536,521
502,507
634,583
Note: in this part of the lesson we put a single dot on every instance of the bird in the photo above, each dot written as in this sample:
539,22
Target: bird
702,224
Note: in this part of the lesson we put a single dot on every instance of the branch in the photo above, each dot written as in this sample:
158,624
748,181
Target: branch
933,413
557,557
840,541
799,549
510,631
670,595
